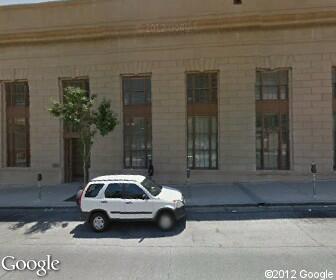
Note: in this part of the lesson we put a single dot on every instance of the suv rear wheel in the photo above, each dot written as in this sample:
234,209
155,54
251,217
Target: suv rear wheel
166,221
99,221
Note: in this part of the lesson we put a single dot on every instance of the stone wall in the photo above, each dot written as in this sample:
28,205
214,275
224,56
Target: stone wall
309,51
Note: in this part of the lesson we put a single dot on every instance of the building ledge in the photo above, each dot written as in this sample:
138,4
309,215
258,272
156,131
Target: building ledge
159,27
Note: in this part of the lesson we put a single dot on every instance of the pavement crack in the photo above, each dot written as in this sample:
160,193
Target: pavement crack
2,276
309,235
252,195
170,264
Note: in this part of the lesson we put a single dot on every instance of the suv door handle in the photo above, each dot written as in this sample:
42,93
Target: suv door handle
129,202
104,201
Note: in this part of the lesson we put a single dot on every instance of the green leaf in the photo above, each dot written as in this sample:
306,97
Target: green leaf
77,112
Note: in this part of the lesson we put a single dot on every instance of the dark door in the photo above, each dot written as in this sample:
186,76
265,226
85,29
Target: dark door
73,166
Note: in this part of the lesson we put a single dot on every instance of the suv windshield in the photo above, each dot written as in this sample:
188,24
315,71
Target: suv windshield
151,186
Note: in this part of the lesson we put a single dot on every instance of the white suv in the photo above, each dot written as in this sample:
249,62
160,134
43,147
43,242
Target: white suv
130,197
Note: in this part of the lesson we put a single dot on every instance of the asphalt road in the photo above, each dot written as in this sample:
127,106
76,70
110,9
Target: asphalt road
213,244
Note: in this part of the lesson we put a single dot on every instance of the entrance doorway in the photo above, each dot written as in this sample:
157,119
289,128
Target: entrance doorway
73,164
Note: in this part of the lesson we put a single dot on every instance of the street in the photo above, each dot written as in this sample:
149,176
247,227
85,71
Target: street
213,243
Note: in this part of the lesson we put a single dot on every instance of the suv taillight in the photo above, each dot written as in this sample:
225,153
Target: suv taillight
79,197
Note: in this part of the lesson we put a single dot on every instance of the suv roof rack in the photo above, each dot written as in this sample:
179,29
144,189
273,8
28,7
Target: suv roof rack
97,180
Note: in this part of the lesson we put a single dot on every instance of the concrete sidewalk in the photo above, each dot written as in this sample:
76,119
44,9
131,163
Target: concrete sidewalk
14,196
226,194
258,193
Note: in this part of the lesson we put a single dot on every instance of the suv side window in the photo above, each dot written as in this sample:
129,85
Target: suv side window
132,191
114,191
93,190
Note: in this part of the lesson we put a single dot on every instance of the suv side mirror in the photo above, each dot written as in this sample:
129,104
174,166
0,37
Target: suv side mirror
145,197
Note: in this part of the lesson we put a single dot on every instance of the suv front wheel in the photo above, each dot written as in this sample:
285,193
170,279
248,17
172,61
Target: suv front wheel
99,221
166,221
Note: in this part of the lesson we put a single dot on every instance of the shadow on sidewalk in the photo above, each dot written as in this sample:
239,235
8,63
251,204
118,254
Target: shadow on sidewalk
33,221
127,230
38,226
42,221
260,213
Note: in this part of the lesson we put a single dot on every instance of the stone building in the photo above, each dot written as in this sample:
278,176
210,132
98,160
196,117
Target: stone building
232,90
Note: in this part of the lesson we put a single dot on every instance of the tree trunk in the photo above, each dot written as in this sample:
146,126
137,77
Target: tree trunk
85,162
86,173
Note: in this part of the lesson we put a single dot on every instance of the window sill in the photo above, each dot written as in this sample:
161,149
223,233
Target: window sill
274,172
16,168
135,169
203,169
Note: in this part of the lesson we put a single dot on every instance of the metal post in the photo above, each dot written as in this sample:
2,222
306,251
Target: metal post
187,190
314,185
39,185
188,175
150,170
313,170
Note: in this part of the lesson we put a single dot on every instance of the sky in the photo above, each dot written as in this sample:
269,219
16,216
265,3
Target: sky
10,2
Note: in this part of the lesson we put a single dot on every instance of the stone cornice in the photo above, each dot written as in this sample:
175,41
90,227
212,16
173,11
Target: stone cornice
169,27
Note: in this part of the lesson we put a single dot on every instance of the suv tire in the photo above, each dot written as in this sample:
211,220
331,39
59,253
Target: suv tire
99,221
166,220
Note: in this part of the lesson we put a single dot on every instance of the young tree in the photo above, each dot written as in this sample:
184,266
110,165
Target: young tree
77,111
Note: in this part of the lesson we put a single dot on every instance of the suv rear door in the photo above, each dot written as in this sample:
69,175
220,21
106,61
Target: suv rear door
113,202
91,200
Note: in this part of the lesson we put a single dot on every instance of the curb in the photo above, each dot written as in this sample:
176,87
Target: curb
249,205
38,207
259,205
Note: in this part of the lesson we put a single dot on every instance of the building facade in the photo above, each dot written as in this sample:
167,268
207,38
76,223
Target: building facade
232,90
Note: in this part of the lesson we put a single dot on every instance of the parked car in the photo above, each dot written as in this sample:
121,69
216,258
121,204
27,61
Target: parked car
130,197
